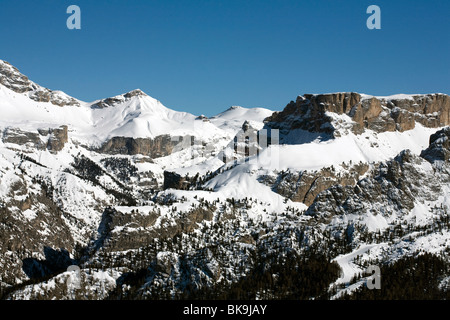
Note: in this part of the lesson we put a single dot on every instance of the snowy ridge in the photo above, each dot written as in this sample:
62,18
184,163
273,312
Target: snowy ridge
137,117
133,114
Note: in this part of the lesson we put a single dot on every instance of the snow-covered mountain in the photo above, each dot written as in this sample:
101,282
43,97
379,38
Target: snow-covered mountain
154,203
133,114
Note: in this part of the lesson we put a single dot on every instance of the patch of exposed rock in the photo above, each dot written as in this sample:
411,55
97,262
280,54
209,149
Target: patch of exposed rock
11,78
111,102
304,186
397,113
393,187
160,146
439,148
123,231
52,139
37,216
173,180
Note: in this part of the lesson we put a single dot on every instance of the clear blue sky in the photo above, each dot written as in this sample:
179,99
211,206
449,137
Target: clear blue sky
204,56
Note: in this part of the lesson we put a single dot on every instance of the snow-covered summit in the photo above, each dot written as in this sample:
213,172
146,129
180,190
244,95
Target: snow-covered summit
112,101
134,114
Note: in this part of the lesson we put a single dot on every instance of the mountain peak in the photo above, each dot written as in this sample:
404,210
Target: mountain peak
112,101
135,92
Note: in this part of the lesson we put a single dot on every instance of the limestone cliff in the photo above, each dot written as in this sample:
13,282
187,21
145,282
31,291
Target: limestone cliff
314,113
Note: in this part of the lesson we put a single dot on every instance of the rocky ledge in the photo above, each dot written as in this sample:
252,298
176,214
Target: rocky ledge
314,113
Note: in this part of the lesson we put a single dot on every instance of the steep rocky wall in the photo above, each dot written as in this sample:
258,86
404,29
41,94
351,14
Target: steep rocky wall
393,187
304,186
52,139
439,148
308,112
158,147
175,181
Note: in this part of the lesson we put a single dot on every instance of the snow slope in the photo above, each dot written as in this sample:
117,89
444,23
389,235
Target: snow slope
138,117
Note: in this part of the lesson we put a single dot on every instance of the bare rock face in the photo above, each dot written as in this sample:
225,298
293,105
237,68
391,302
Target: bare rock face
335,102
130,238
52,139
11,78
22,233
311,112
160,146
439,148
175,181
58,138
367,114
392,186
306,185
19,137
111,102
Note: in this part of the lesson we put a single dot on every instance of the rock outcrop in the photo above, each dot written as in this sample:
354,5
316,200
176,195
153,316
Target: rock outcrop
58,137
439,148
52,139
306,185
175,181
393,187
314,113
11,78
23,138
160,146
111,102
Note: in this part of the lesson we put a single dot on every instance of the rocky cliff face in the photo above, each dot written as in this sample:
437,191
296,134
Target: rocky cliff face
394,187
439,148
175,181
305,186
58,137
52,139
11,78
160,146
398,113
